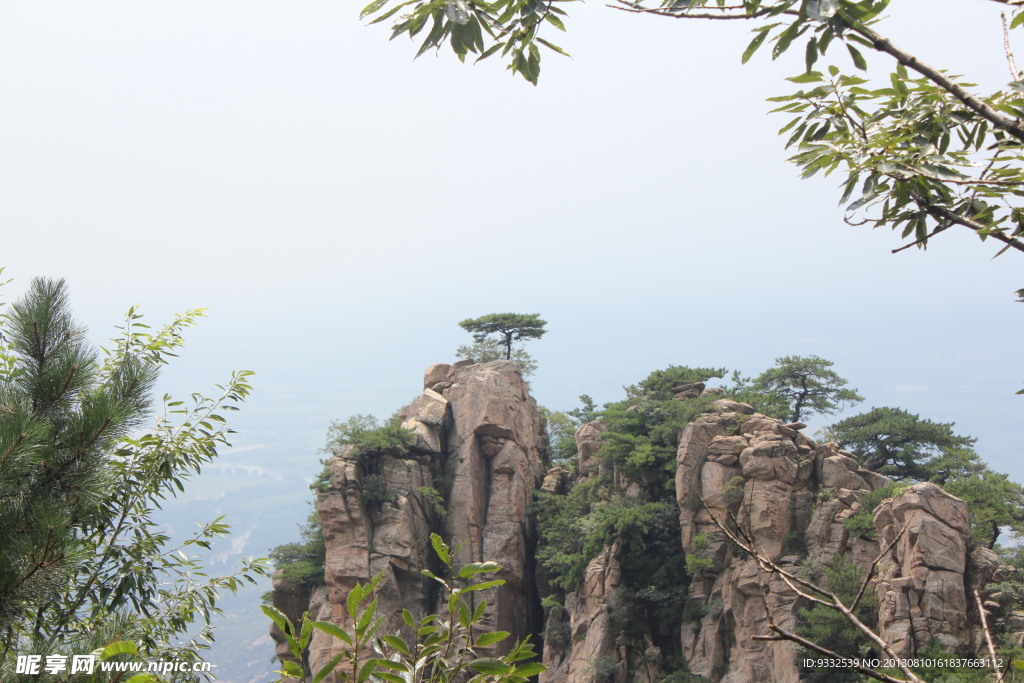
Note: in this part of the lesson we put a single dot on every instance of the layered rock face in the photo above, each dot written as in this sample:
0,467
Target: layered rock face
478,441
792,495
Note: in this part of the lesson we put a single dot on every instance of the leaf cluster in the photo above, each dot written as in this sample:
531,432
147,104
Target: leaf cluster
862,522
807,384
447,647
916,158
302,563
370,436
908,448
79,485
494,349
831,629
512,27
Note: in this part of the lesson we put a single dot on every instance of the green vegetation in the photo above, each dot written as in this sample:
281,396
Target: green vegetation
369,436
862,522
435,499
82,563
909,449
639,445
447,646
508,327
492,349
302,563
807,385
830,628
558,445
901,445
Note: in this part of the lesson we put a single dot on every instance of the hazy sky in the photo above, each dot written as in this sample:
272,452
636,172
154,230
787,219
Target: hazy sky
340,208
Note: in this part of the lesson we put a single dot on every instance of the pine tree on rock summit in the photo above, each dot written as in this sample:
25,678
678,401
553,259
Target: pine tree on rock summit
509,326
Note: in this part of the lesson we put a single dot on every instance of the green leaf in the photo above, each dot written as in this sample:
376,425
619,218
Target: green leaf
367,670
333,630
119,648
372,7
364,621
811,54
787,37
442,551
555,21
755,43
531,669
486,639
307,630
278,618
329,667
484,586
291,669
808,77
478,568
551,46
399,644
478,613
858,58
352,602
487,665
490,51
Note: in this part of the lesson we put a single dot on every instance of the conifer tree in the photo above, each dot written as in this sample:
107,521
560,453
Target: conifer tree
508,326
58,422
82,563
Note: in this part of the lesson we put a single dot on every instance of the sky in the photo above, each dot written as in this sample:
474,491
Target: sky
340,207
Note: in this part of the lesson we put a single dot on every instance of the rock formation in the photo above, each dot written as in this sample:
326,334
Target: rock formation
477,440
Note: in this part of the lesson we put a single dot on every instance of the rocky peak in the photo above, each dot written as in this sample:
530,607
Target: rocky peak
478,444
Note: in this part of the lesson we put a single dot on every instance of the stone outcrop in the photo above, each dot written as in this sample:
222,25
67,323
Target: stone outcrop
478,442
922,590
493,463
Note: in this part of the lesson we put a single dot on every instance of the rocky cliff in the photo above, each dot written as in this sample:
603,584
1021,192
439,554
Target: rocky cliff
479,442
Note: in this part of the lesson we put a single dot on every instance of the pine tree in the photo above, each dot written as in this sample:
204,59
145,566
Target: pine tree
82,562
58,422
509,327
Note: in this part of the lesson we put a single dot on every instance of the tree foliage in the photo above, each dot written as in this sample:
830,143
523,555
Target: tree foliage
807,384
512,26
920,153
451,646
494,349
908,448
80,554
902,445
509,327
832,629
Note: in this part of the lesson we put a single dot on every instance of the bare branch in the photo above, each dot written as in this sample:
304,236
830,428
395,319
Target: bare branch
783,634
727,12
933,233
1014,71
988,637
871,569
804,589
